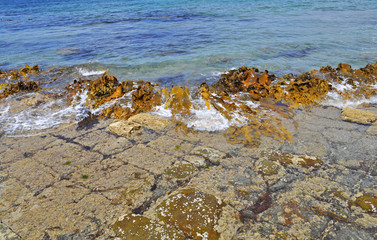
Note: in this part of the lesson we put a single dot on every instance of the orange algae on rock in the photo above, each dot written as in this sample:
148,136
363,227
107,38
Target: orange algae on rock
145,98
193,212
101,89
306,90
21,86
22,72
244,79
136,227
178,100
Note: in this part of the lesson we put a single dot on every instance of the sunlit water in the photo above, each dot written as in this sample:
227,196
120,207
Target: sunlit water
177,43
187,41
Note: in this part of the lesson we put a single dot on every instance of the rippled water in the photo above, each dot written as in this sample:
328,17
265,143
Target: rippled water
183,42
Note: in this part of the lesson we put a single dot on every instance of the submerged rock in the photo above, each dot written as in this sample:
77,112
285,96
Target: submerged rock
193,212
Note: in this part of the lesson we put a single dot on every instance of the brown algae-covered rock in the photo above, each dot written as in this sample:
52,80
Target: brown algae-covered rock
136,227
193,212
180,170
102,89
367,202
358,116
21,86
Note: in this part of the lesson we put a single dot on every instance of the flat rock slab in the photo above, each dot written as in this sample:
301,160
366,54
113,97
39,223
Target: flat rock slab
134,124
358,116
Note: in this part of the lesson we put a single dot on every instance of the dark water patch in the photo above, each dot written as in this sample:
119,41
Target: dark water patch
79,55
247,20
300,53
171,80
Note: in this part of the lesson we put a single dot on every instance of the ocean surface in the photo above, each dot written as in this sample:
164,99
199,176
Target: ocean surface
186,42
175,43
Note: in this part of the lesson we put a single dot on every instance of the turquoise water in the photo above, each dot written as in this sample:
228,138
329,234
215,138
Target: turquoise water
187,42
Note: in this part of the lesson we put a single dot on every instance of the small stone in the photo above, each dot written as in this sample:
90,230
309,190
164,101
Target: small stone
358,116
124,128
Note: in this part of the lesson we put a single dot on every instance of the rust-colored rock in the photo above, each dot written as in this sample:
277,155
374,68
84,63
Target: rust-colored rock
245,79
101,89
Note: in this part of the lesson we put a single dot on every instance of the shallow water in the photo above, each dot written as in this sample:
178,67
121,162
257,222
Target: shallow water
187,42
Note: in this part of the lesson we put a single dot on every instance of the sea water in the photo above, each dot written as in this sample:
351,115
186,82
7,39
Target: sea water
177,43
186,42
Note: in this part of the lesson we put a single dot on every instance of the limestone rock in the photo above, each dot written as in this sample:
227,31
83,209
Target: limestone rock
150,121
358,116
128,127
124,128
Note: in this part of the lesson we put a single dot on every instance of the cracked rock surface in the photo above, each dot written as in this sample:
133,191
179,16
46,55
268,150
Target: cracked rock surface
93,183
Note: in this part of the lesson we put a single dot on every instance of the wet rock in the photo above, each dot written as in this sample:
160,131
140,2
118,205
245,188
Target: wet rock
245,79
101,89
193,212
36,99
358,116
178,100
135,227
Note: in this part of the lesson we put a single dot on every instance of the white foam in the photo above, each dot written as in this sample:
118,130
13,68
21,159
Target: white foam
84,72
207,120
45,116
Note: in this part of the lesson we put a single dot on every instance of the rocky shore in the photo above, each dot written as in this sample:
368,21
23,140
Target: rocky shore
289,167
103,181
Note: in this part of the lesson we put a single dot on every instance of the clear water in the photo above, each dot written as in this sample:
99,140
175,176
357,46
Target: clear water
187,42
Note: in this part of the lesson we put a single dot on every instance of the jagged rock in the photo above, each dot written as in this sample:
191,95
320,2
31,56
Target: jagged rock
128,127
358,116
